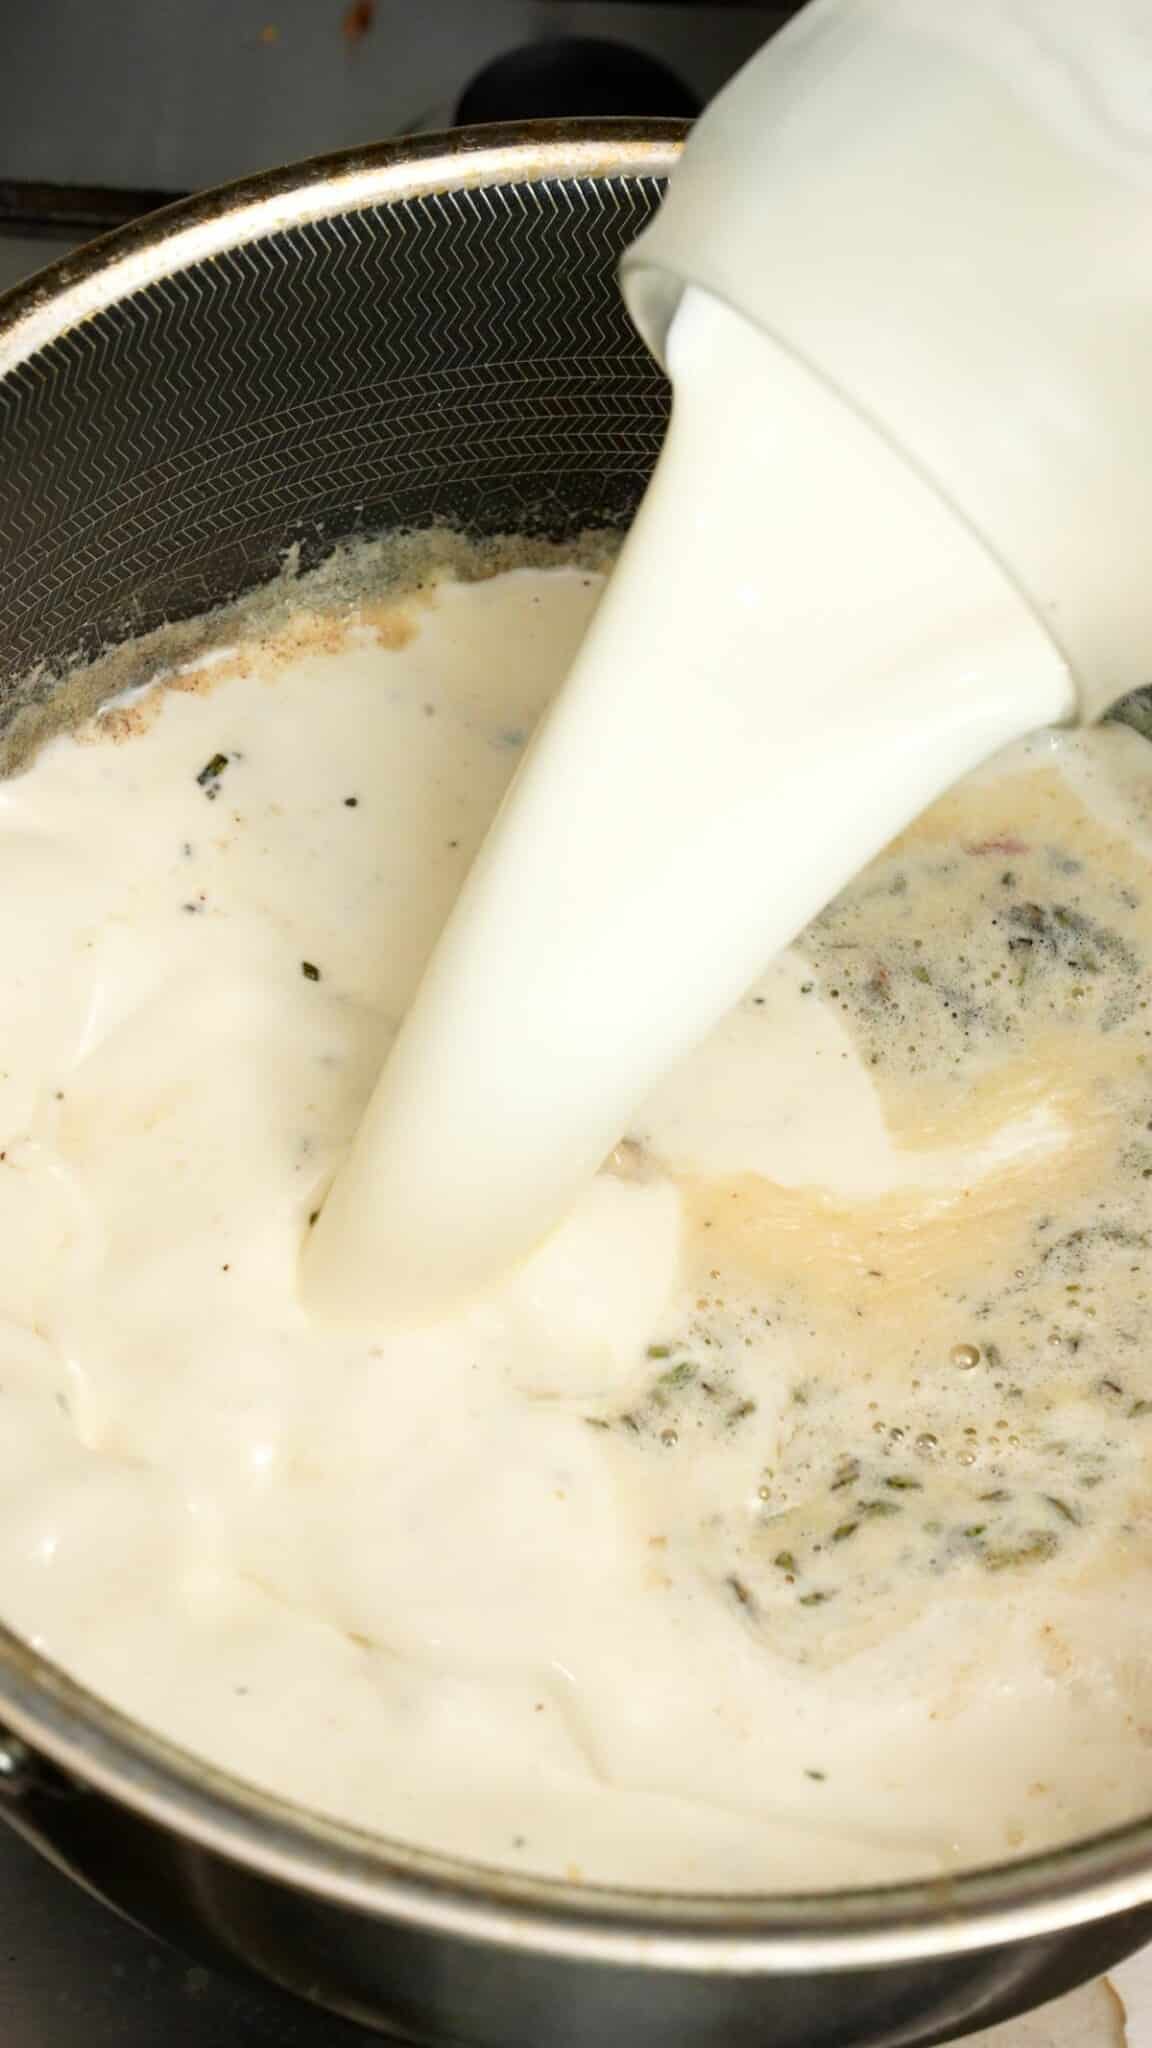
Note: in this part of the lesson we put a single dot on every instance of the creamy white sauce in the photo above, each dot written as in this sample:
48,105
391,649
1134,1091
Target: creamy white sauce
505,1584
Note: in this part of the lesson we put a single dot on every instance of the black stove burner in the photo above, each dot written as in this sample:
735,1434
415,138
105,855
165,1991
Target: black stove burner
562,77
71,1971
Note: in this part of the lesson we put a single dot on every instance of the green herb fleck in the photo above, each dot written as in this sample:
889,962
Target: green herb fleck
784,1561
678,1375
1036,1548
209,776
844,1531
813,1599
900,1483
309,970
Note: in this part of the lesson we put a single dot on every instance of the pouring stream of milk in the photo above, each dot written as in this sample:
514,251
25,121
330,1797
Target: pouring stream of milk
801,646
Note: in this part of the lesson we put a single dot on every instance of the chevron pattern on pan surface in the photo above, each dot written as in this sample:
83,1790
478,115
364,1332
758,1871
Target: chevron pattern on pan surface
461,357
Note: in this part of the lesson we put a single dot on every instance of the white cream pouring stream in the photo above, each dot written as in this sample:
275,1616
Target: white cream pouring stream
810,632
742,730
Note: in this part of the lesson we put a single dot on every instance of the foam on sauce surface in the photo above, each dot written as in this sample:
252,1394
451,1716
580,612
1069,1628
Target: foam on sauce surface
797,1488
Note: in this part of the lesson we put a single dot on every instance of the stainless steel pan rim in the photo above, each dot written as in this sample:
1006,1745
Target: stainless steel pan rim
94,1744
195,230
99,1747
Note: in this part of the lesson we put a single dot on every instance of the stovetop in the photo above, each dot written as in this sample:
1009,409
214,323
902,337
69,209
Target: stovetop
72,1972
162,96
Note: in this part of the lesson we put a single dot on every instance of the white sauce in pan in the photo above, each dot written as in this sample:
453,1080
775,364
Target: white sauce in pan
785,1523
